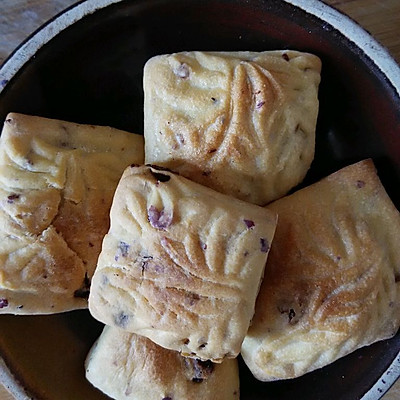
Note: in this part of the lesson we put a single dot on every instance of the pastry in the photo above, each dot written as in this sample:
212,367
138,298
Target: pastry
57,180
128,366
181,264
332,280
242,123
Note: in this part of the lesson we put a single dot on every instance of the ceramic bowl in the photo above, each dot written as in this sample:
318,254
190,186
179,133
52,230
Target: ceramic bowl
86,66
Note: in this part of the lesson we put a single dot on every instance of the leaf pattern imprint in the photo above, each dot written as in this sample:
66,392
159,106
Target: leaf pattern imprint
351,273
178,254
254,92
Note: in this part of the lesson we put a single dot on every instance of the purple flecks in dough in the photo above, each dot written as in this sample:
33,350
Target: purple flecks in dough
123,248
12,197
159,219
260,104
3,303
360,184
121,320
249,223
182,71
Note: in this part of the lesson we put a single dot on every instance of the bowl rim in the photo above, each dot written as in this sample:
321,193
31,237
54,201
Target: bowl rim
11,383
349,28
383,384
354,32
330,17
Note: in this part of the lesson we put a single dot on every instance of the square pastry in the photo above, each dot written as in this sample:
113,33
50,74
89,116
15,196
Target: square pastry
332,280
57,181
242,123
181,264
127,366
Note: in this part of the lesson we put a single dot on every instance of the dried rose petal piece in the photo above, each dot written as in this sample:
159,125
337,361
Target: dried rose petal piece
3,303
182,71
159,219
249,223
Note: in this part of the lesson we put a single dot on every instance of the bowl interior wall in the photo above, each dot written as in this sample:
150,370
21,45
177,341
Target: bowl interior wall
92,73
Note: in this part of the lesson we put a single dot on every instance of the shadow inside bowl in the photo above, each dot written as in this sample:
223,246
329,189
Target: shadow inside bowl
92,73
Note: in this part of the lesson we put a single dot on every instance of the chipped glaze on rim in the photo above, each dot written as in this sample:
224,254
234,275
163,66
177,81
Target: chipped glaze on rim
342,23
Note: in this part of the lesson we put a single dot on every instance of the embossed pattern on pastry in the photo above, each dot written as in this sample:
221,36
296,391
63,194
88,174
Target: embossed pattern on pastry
128,366
242,123
57,180
332,280
181,264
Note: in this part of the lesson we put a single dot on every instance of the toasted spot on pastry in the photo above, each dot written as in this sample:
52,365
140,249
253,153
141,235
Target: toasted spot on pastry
330,282
128,366
57,180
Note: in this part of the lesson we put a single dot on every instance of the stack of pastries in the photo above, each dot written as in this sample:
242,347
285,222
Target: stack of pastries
185,243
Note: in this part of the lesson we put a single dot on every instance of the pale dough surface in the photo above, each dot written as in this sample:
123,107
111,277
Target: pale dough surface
181,264
242,123
128,366
57,181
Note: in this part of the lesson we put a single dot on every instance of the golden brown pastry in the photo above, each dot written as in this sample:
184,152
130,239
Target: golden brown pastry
57,180
181,264
242,123
332,280
128,366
